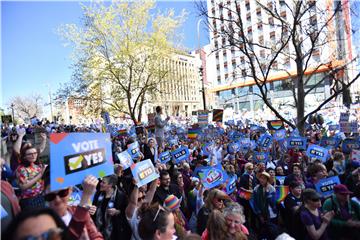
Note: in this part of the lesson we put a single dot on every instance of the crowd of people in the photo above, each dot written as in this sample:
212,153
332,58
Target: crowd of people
177,205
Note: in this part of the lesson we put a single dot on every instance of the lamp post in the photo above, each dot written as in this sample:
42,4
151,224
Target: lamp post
12,112
201,68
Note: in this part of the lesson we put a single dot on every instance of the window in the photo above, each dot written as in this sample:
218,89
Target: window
260,26
272,36
271,21
261,40
243,72
247,6
245,106
262,53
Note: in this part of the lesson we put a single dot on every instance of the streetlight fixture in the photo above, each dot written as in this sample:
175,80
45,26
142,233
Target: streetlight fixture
201,68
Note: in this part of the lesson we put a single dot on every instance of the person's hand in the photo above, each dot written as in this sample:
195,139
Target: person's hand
89,185
21,131
112,211
328,216
92,209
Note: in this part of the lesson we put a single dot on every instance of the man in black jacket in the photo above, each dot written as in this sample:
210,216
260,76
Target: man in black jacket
166,188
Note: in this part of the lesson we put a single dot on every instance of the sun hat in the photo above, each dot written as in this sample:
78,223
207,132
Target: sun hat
172,203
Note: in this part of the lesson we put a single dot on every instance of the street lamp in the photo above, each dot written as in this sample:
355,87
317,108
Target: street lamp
201,68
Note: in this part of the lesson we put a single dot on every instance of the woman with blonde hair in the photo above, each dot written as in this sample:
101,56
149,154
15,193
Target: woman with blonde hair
215,200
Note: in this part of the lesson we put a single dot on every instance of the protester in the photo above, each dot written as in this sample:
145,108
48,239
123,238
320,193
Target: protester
292,203
159,126
29,176
77,218
346,221
166,188
41,223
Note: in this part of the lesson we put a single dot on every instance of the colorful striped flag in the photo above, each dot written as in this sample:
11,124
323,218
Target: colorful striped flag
193,132
122,132
281,193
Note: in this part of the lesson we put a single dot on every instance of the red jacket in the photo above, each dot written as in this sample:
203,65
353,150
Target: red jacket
81,223
8,191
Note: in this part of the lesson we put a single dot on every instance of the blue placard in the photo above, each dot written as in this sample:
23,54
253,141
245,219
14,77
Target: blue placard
233,147
144,172
265,141
230,123
165,157
296,142
134,150
231,184
315,151
330,141
334,127
73,156
295,133
245,143
199,171
125,159
180,154
349,144
281,179
213,177
280,135
325,186
207,149
261,157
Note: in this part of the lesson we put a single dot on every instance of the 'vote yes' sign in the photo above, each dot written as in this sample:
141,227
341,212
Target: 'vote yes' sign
73,156
180,154
325,186
296,142
315,151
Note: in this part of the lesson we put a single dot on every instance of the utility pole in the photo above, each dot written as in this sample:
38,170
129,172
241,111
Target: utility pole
12,112
201,68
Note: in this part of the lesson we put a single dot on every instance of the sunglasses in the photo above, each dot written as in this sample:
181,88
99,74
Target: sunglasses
315,199
52,234
157,213
51,196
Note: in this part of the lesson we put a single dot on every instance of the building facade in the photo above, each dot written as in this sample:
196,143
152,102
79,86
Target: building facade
234,86
180,91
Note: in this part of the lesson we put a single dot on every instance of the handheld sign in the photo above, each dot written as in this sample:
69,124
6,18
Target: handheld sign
180,154
134,150
261,157
281,179
218,115
125,159
233,147
207,149
144,172
165,157
275,125
203,117
330,141
280,135
6,119
325,186
344,117
315,151
334,127
296,142
350,144
3,212
73,156
231,185
265,141
199,171
214,177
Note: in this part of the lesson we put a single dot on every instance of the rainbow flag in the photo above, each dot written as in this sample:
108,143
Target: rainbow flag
193,132
122,132
281,193
275,125
151,128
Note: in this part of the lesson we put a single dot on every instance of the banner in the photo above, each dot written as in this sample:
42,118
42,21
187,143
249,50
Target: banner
125,159
213,177
315,151
73,156
280,135
134,150
165,157
265,141
281,193
218,115
203,117
144,172
350,144
296,142
180,154
122,132
275,125
325,186
231,185
261,157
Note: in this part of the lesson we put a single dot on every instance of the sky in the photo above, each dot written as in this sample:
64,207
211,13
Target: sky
33,57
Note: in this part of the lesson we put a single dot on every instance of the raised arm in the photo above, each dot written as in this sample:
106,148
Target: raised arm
133,200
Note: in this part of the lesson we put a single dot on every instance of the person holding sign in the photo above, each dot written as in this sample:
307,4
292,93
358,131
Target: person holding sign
346,222
77,218
29,175
159,126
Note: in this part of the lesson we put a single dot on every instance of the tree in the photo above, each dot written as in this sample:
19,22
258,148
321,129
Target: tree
28,107
119,54
306,37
